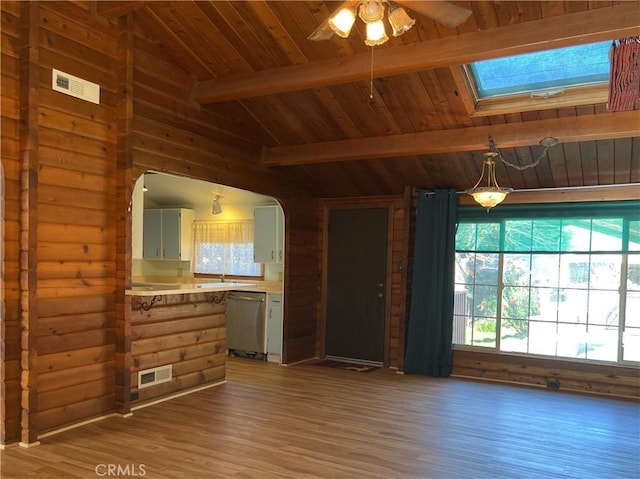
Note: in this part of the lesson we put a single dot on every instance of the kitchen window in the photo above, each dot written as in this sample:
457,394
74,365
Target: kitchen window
559,280
224,248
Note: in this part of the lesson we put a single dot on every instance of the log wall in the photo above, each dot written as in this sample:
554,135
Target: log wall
76,219
10,227
611,380
187,331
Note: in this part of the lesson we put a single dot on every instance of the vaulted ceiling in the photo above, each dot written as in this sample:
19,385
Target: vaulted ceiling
317,114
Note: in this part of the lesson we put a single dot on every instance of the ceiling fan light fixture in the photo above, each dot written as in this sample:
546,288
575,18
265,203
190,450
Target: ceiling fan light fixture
399,20
342,22
376,34
371,11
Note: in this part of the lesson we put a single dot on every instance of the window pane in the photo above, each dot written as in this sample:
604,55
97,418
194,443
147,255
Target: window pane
556,68
572,340
466,236
517,235
546,235
542,338
488,237
634,235
576,235
631,336
602,343
604,271
606,235
484,332
573,309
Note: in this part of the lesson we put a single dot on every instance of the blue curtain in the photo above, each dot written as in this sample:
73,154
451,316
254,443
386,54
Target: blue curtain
430,327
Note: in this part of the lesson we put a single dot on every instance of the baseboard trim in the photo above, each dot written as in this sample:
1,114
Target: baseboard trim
177,395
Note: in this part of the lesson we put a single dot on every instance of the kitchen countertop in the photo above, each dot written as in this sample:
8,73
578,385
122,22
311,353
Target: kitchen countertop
151,288
160,289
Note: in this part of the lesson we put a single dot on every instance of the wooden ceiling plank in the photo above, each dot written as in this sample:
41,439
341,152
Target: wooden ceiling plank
582,27
113,9
567,129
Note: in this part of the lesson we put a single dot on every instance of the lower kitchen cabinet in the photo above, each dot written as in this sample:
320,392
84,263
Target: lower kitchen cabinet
274,328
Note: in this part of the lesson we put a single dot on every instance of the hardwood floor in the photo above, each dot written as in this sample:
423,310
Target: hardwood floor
309,421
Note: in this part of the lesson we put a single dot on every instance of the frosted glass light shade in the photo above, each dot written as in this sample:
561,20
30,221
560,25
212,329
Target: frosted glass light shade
342,22
400,21
376,34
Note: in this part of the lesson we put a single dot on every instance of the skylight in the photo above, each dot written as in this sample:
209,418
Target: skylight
551,69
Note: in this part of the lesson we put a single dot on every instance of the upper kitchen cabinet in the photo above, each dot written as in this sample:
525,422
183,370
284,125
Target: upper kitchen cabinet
268,241
167,234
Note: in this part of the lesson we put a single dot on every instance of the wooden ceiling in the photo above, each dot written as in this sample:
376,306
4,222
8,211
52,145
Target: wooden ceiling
317,115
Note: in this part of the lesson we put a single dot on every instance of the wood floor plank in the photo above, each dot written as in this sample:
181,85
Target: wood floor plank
308,421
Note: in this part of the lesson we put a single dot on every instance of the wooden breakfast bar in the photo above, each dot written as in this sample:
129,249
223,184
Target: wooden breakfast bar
177,336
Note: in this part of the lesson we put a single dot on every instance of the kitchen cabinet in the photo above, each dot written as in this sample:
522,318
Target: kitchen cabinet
268,242
167,234
274,328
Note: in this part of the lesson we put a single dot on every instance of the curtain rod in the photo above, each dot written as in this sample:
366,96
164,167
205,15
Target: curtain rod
558,190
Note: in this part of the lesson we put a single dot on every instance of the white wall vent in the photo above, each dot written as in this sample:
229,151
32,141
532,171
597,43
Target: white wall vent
74,86
153,376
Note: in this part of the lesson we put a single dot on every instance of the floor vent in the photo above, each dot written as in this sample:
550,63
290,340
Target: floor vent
74,86
151,377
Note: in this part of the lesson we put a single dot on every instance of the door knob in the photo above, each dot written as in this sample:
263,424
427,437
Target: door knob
380,295
380,285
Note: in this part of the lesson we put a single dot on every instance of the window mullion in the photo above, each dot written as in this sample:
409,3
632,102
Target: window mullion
622,307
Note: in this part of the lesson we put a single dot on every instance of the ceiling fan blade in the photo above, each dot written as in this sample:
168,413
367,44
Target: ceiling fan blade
324,31
448,14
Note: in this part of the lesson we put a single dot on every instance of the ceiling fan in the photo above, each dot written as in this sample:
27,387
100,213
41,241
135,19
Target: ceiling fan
372,13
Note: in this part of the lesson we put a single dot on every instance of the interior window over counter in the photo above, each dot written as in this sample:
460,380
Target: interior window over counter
562,281
224,248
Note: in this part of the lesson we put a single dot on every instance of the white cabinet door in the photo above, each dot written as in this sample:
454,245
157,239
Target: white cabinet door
274,328
152,234
167,234
171,234
268,234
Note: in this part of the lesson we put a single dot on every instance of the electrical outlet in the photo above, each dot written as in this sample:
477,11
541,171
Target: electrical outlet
553,384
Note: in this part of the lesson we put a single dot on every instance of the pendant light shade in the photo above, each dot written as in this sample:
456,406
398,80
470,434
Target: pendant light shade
216,208
342,22
399,20
492,194
376,34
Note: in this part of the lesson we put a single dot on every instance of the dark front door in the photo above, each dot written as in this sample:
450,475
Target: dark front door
356,275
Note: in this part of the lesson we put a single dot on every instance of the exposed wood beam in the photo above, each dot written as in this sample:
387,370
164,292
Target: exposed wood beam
599,24
566,130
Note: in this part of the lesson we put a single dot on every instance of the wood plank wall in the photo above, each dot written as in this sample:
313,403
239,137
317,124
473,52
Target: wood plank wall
187,331
10,287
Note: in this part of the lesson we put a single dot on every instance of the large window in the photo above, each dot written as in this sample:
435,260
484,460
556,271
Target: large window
224,248
555,281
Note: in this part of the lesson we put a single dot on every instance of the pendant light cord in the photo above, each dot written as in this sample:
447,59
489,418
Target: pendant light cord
371,79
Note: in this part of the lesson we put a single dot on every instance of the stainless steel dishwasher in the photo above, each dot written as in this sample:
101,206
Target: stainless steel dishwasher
246,324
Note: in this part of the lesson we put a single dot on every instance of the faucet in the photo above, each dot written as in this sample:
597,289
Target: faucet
222,278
